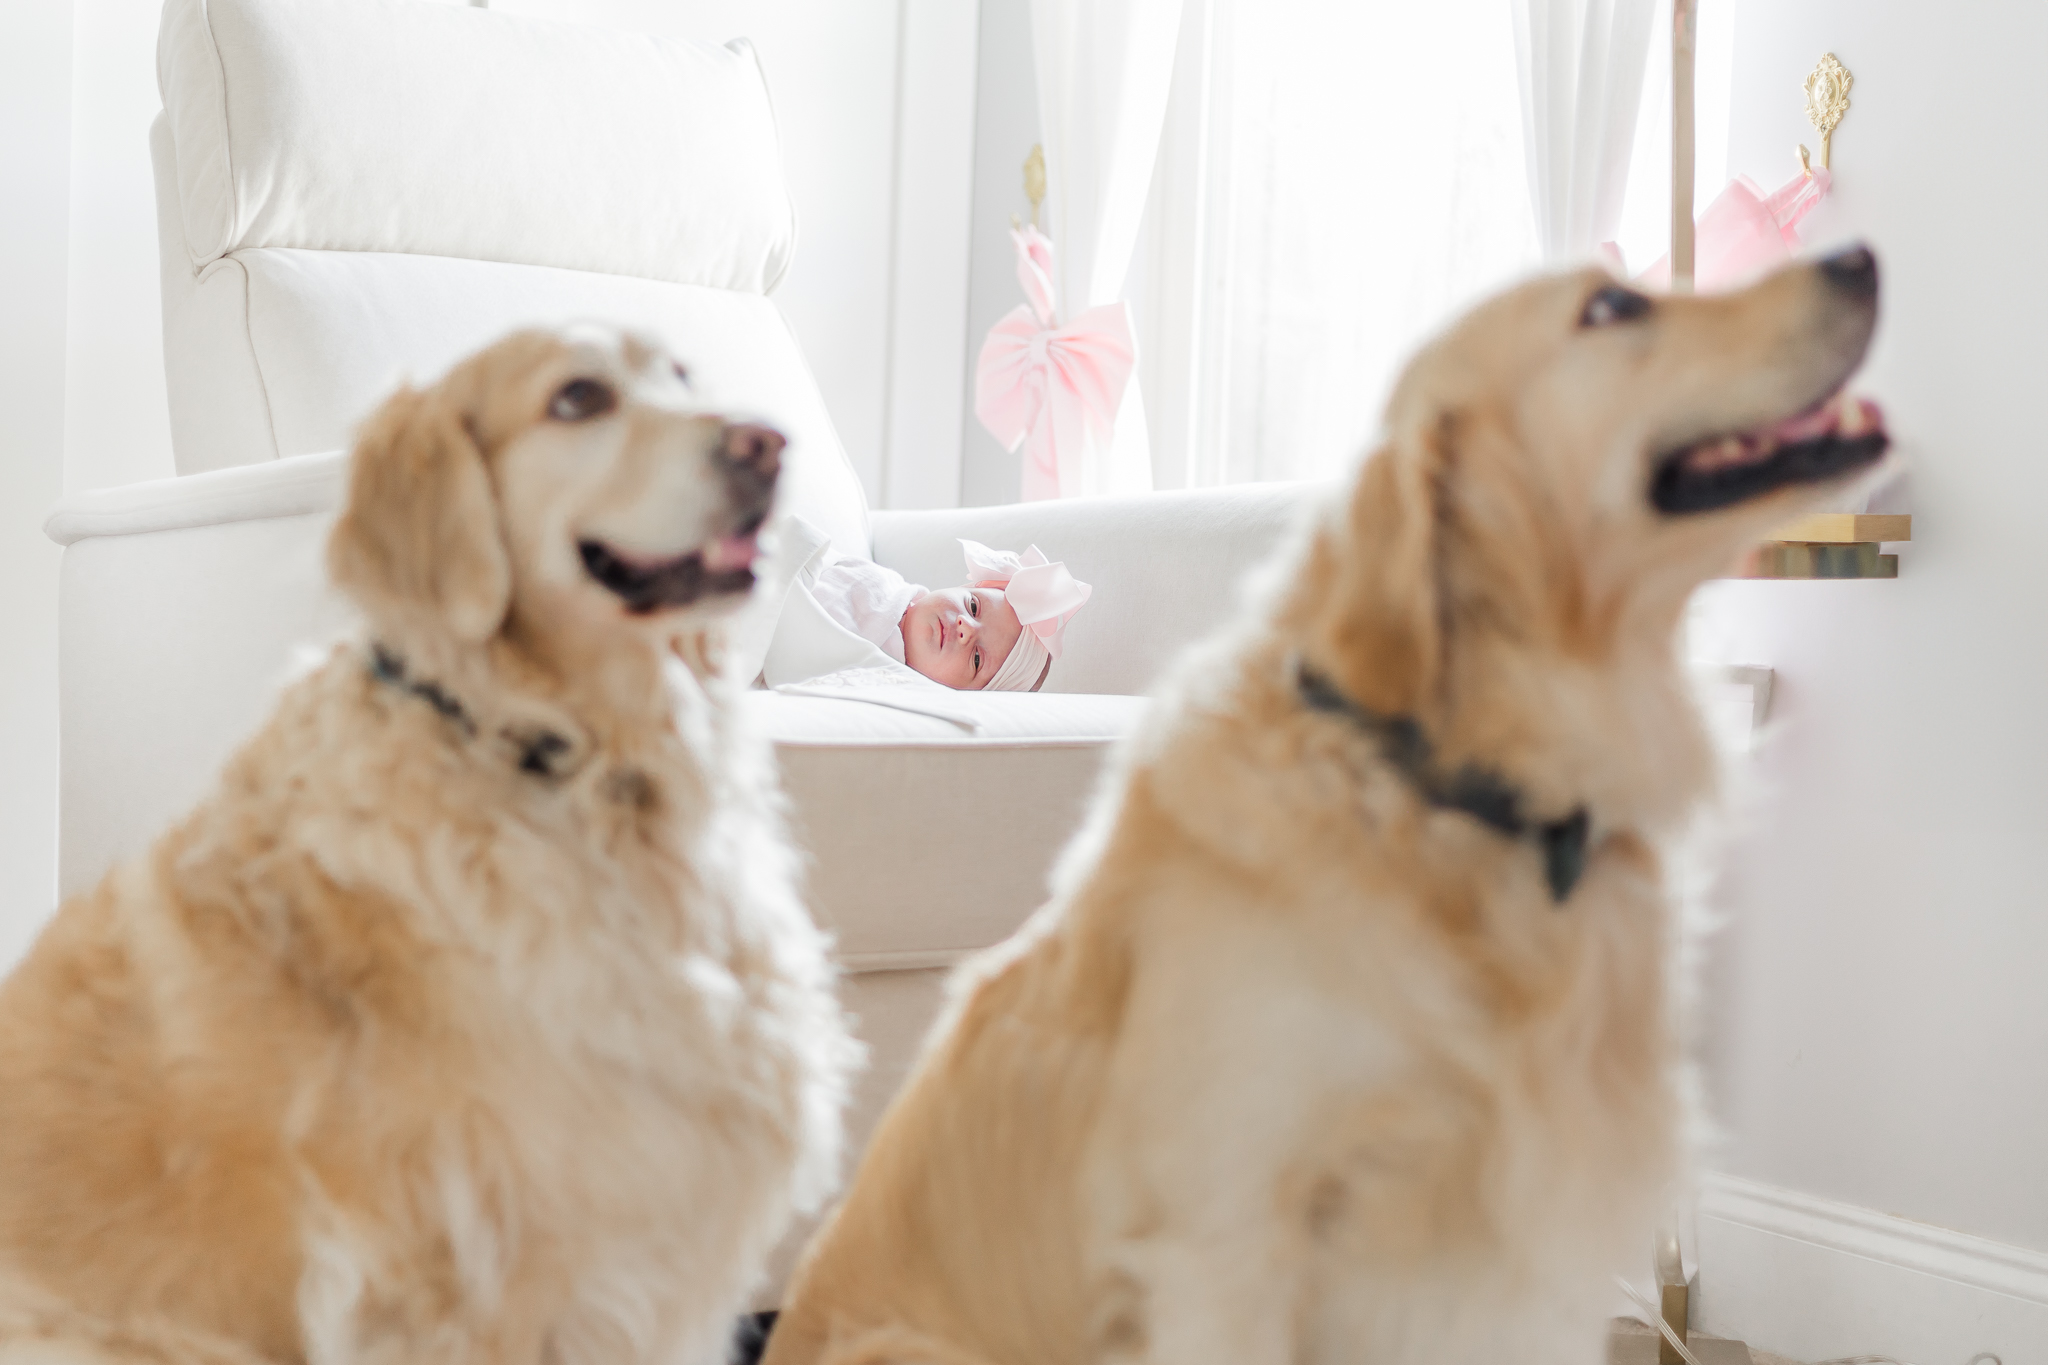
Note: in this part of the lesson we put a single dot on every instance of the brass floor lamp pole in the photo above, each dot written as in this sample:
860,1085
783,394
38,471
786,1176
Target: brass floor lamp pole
1674,1288
1674,1291
1684,47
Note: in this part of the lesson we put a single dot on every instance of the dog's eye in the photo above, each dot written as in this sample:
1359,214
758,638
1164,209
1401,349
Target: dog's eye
581,399
1613,304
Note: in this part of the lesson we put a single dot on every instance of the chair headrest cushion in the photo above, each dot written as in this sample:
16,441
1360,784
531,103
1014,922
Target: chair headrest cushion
395,125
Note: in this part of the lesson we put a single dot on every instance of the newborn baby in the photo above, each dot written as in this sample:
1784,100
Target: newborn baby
999,631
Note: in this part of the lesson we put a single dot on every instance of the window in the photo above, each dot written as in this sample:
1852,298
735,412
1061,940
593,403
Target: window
1335,179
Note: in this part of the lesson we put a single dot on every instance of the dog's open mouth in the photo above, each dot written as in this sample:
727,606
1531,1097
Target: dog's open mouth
644,584
1836,435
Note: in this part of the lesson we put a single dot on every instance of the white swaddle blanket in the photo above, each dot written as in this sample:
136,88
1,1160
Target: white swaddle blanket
836,633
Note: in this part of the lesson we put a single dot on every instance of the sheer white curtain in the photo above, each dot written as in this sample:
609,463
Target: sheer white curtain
1338,177
1580,66
1645,230
1104,71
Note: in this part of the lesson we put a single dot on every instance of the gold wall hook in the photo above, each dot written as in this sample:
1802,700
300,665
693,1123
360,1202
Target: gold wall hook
1034,180
1827,99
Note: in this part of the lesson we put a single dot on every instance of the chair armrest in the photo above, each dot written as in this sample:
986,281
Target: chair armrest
1166,567
182,604
253,492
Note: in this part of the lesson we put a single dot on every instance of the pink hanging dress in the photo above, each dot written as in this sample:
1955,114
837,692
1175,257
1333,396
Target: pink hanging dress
1745,232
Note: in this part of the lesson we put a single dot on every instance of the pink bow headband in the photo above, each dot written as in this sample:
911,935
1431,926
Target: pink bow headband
1044,596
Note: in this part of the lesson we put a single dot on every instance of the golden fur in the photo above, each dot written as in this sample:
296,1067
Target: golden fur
474,1016
1295,1067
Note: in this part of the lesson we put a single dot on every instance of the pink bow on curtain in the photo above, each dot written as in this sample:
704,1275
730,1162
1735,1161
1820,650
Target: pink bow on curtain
1746,232
1054,389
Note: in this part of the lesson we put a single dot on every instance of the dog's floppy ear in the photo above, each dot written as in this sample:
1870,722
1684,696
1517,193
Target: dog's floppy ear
419,538
1382,626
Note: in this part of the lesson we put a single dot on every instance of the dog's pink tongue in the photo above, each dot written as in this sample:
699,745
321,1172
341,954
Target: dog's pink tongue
731,552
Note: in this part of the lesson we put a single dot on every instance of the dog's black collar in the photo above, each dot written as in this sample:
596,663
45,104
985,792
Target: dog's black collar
388,667
1485,796
537,748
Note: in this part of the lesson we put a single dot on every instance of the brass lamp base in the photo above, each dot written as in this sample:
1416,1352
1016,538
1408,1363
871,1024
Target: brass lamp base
1657,1345
1642,1350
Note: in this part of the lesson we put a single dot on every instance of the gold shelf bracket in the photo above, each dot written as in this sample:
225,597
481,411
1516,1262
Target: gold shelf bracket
1829,545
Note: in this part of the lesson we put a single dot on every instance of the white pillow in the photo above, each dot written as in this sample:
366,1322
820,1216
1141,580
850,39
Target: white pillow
390,125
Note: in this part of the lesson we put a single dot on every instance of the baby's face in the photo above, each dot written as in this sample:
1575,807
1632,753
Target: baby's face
959,636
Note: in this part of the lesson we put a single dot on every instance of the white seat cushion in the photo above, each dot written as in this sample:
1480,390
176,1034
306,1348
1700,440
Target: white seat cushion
1002,718
927,842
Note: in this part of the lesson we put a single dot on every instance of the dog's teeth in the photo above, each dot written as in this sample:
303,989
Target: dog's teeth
1852,421
1723,454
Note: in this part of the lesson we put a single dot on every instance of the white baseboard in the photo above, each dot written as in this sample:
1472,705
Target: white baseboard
1813,1279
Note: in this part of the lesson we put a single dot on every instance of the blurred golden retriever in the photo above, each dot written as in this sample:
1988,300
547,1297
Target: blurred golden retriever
475,1016
1348,1033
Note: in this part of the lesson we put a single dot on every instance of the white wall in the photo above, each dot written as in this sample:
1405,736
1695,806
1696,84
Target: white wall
1880,1025
117,426
35,139
863,203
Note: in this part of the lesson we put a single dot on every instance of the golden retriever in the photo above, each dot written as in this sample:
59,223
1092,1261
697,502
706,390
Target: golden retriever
1348,1033
475,1015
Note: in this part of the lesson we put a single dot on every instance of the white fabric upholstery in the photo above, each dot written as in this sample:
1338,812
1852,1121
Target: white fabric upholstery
385,125
352,193
336,331
285,488
172,647
1167,568
1002,719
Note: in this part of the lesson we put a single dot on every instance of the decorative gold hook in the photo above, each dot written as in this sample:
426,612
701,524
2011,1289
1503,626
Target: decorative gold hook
1805,165
1827,99
1034,180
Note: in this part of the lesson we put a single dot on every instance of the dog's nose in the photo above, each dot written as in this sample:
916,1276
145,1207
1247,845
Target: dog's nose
754,448
1852,270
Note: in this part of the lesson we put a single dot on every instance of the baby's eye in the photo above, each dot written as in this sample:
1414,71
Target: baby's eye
974,607
977,662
